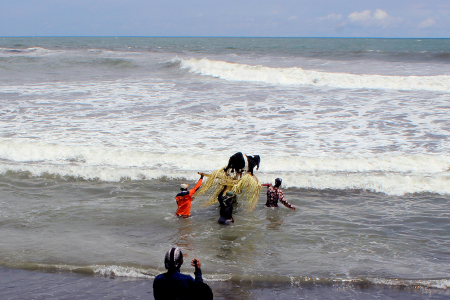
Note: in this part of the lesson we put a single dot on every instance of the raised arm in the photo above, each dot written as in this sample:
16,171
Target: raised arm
223,190
197,186
198,271
282,200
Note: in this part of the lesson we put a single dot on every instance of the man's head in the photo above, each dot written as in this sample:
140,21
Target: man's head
173,259
229,198
184,186
278,182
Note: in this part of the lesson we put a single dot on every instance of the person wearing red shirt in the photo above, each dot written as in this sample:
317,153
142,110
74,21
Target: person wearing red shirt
184,198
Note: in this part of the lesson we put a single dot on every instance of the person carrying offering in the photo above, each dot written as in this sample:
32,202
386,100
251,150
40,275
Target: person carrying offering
226,207
275,194
184,198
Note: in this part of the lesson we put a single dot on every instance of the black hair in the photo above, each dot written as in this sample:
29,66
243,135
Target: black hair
278,182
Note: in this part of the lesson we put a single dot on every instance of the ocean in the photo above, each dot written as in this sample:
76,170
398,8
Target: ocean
97,134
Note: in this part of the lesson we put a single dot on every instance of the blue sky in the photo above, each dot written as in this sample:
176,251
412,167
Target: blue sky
281,18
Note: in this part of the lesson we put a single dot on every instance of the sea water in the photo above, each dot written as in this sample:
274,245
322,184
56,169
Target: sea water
97,134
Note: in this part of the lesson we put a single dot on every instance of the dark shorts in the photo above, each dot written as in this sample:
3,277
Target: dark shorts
224,221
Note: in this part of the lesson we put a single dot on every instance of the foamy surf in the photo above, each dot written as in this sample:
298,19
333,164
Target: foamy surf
98,133
298,281
389,174
297,76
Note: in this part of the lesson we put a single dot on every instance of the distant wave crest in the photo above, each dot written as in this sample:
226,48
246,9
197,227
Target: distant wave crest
297,76
19,51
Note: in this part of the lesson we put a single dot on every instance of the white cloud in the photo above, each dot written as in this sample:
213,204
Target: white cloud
380,15
364,16
427,23
379,18
331,17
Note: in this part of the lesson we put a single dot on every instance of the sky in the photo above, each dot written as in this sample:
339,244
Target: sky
243,18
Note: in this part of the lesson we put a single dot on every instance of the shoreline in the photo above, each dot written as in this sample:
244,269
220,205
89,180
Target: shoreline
24,284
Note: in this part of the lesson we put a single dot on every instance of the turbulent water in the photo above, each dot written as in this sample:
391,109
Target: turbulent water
97,134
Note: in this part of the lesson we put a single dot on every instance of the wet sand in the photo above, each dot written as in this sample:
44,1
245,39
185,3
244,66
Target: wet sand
23,284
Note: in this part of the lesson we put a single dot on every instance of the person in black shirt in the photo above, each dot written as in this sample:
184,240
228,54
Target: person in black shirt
226,207
176,286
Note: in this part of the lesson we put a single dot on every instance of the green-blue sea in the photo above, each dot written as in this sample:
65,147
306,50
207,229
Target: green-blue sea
97,134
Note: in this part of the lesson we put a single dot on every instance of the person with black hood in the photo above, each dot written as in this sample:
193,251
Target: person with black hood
275,194
173,285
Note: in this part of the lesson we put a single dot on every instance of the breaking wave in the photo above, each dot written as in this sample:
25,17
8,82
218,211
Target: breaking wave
392,175
142,273
297,76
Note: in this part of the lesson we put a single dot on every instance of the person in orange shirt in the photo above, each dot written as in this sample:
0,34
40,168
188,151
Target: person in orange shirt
184,198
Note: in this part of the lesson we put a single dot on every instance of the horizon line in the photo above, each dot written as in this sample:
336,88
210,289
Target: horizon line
193,36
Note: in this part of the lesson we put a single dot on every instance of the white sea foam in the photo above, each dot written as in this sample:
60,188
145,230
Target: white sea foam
430,283
134,272
394,175
298,76
120,271
32,52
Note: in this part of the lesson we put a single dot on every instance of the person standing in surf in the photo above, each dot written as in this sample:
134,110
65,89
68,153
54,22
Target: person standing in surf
226,207
184,198
275,194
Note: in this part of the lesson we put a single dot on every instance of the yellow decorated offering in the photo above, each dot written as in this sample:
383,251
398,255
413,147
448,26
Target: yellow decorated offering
247,188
